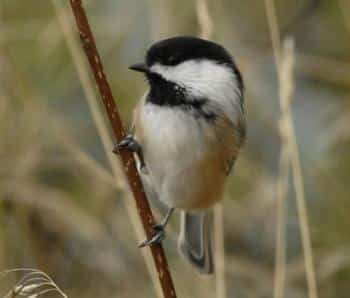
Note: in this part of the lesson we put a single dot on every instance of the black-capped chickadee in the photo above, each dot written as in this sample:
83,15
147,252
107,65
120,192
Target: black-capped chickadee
187,132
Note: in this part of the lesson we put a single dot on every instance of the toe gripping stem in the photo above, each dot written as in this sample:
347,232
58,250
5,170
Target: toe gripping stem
159,231
132,145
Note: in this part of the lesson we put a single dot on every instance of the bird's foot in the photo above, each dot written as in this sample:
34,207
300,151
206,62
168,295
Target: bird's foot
157,238
159,230
127,143
132,145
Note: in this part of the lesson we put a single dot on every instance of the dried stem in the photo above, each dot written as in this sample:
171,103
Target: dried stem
302,212
220,280
127,158
274,32
204,19
286,87
280,257
34,283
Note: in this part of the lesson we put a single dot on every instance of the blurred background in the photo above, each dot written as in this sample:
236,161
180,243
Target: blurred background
64,205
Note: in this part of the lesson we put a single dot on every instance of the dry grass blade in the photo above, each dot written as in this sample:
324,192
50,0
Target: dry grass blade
219,240
302,212
119,178
282,182
288,129
274,32
280,257
204,19
34,283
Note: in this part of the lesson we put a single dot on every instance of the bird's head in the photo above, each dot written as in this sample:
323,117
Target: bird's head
198,67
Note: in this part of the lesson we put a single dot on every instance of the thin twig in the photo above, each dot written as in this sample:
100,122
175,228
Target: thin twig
284,165
293,150
127,158
280,257
96,113
302,212
204,19
206,26
219,239
274,32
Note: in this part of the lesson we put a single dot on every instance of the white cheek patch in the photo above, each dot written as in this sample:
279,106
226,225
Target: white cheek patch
206,79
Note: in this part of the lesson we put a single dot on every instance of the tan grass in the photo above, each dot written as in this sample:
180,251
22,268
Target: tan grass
286,86
34,283
205,21
286,89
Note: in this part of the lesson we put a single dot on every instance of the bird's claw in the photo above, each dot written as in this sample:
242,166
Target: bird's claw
158,227
156,238
159,230
127,143
132,145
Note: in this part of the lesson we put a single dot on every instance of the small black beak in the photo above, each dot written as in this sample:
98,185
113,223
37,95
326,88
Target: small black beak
140,67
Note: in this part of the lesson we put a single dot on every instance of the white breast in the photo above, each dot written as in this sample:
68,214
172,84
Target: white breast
173,142
172,135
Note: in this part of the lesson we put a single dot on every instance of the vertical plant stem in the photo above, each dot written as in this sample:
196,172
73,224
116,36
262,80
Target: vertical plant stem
293,152
280,257
274,32
285,94
219,251
303,216
127,158
204,19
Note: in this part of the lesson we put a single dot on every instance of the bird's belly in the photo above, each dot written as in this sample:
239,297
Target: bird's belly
183,162
198,186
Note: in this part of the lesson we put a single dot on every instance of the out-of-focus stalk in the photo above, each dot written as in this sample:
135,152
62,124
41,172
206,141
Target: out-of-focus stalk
286,86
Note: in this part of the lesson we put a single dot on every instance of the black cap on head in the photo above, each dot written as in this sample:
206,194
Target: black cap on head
173,51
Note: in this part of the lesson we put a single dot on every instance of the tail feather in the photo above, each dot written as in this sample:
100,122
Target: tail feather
195,240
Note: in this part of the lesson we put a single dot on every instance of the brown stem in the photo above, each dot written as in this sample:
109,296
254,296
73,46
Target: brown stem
134,180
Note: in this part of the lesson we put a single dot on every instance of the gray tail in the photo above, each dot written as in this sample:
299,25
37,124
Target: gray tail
195,240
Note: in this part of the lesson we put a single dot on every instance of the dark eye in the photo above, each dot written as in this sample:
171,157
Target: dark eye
172,60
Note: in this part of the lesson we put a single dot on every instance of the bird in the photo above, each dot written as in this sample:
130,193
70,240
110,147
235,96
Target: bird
187,132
